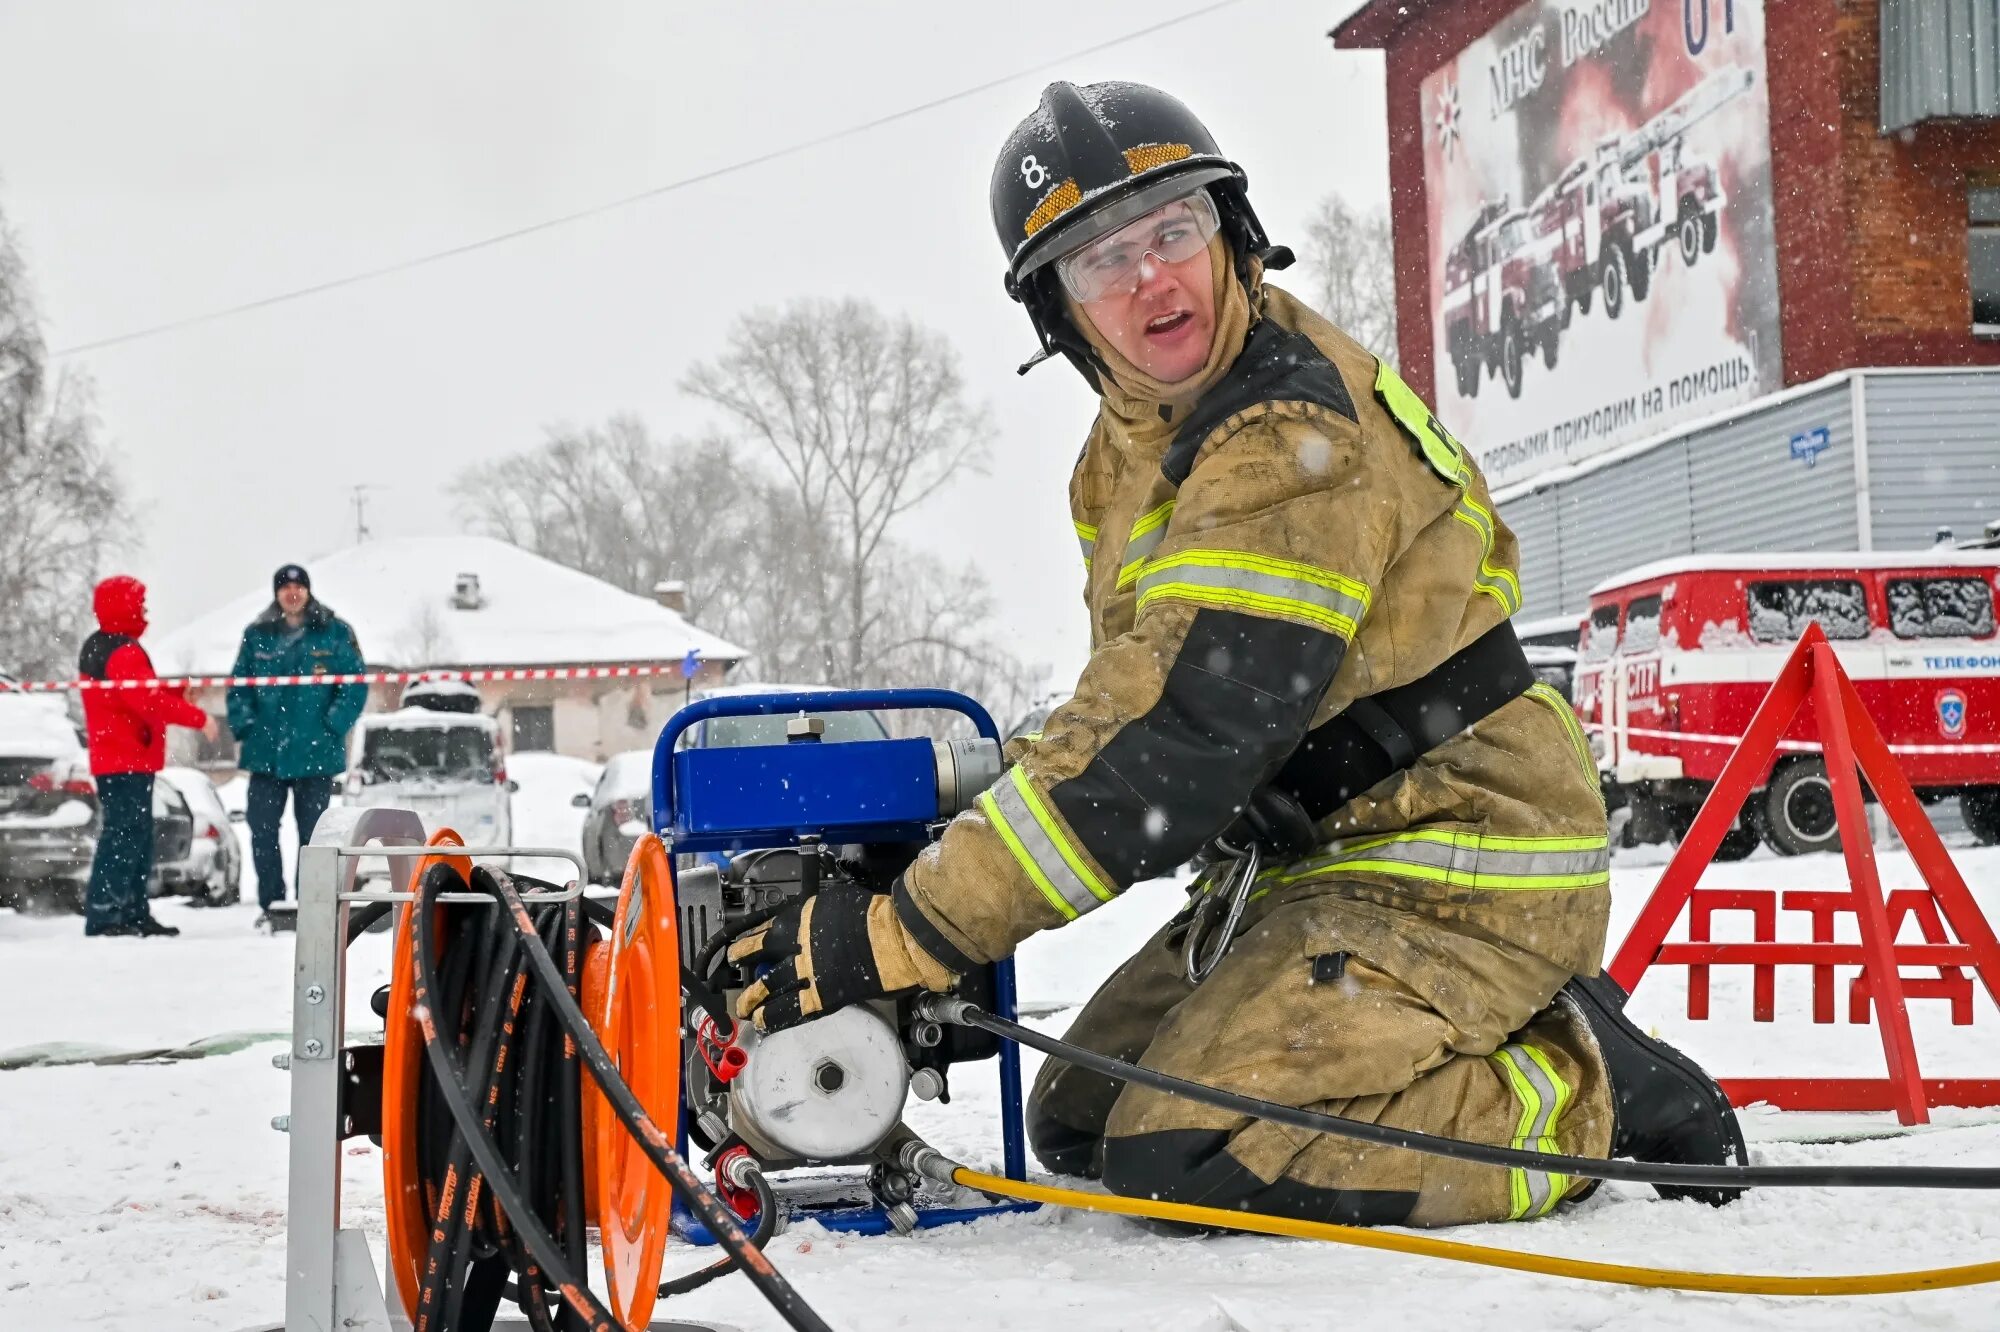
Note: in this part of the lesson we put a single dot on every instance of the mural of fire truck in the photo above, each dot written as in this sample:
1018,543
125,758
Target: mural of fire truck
1503,299
1515,278
1612,214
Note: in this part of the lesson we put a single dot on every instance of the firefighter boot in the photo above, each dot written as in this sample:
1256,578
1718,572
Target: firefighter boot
1667,1110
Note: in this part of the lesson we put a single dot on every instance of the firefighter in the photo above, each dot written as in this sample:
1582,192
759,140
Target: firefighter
1302,672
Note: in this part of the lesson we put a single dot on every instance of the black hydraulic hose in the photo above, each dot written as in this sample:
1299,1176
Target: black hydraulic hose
500,942
656,1143
943,1008
479,1006
767,1226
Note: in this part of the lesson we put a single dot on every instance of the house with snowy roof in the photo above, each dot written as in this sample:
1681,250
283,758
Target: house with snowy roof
475,603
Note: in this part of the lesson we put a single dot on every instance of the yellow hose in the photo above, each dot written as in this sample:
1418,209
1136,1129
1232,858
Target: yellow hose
1726,1283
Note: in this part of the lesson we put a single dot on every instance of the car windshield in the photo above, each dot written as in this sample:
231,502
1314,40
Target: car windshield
740,732
449,753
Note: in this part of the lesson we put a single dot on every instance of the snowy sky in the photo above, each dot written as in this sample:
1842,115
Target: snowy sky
161,161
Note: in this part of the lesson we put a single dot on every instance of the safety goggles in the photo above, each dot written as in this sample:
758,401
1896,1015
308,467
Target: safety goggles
1109,265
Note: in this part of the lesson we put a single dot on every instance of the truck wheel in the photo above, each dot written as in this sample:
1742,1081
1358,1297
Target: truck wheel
1638,272
1467,370
1511,354
1688,233
1583,291
1737,843
1798,810
1981,811
1611,276
1550,336
1709,230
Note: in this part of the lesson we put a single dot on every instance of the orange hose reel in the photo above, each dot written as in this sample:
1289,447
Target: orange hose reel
641,1027
630,992
404,1197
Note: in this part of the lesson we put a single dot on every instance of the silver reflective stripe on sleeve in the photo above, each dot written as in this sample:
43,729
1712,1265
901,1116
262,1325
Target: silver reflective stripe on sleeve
1030,830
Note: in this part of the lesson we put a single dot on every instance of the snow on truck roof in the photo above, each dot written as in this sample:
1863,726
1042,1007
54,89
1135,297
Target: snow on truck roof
1776,562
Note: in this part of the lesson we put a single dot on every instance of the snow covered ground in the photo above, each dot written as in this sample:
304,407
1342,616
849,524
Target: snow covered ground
152,1196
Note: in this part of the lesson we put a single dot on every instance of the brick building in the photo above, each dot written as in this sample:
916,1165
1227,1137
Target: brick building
1808,267
1872,227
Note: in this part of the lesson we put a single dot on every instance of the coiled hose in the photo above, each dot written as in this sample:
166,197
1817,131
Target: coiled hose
502,1003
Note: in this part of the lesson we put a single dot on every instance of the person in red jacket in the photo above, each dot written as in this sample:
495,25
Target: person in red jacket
127,731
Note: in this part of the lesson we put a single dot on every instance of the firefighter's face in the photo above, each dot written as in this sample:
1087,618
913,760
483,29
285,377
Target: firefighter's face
1164,318
292,598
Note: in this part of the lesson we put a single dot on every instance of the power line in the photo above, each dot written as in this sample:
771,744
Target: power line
685,182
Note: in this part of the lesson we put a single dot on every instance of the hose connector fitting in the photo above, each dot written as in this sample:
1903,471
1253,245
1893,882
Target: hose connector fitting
944,1008
920,1158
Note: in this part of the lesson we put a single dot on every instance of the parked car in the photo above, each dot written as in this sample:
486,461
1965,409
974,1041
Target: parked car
211,873
1676,656
48,807
49,815
438,759
617,814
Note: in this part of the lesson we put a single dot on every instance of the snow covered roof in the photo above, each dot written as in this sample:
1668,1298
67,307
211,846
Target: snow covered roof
402,597
1801,561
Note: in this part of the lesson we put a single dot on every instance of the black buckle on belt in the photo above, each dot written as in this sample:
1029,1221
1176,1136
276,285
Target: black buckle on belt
1379,736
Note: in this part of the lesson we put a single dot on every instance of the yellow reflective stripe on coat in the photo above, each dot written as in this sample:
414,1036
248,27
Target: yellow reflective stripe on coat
1543,1096
1030,830
1496,581
1465,860
1445,454
1447,458
1086,536
1147,534
1261,584
1550,697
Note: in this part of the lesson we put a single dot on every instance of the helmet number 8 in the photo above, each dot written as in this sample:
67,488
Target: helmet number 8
1033,173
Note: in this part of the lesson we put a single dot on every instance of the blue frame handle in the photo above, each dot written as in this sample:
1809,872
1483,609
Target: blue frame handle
765,705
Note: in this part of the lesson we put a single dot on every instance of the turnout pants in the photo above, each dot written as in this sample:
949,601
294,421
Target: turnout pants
122,865
264,810
1309,1009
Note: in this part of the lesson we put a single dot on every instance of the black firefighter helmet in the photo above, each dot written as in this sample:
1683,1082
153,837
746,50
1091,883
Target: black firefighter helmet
1088,161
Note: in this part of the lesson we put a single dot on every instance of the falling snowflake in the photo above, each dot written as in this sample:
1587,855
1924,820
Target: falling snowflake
1446,119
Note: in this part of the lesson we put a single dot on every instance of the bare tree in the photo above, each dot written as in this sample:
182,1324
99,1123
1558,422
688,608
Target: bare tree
611,501
62,504
866,417
1352,265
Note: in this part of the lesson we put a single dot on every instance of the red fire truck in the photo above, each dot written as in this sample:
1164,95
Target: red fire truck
1674,657
1502,298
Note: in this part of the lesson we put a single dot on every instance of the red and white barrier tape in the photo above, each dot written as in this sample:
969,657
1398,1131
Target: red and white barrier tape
1794,746
364,677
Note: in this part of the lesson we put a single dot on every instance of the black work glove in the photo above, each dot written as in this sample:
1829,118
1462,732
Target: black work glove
841,946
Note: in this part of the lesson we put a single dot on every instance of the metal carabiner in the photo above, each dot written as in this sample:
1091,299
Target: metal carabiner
1206,944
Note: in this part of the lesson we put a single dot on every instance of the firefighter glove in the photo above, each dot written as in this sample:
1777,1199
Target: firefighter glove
838,947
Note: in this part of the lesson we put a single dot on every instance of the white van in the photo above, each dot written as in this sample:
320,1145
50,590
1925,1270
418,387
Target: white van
446,765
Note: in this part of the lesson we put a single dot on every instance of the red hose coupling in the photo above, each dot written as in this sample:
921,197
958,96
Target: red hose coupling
724,1057
733,1172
